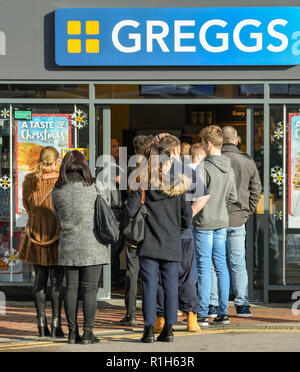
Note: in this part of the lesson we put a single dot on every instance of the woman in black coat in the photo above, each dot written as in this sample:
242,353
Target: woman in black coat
160,252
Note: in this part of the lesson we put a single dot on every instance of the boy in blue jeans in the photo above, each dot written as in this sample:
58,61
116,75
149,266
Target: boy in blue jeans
211,223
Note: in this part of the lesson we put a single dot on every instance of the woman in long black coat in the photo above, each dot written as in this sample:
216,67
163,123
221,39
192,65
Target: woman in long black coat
160,252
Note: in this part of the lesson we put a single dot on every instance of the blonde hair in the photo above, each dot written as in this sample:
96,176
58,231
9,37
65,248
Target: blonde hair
169,142
185,149
197,148
48,156
212,134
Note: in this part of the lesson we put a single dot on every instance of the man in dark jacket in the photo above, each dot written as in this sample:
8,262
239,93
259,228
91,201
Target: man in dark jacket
117,206
140,143
248,186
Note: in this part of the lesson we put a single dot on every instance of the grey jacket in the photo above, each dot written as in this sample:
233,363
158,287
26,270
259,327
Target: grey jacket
74,205
218,176
247,182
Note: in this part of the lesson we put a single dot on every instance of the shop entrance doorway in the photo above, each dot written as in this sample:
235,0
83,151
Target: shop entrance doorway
185,121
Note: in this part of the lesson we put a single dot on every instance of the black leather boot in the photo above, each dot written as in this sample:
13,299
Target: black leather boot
74,337
148,336
128,320
166,334
89,338
43,327
56,330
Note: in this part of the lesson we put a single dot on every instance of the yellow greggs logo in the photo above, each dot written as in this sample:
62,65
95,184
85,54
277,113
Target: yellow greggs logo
87,28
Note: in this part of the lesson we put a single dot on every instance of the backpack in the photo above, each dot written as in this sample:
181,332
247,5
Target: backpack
106,225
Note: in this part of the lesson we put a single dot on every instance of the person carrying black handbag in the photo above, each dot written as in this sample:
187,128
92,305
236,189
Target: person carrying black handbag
80,253
160,251
140,144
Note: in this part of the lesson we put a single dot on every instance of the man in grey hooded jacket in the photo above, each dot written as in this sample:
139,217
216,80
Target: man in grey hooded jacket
211,223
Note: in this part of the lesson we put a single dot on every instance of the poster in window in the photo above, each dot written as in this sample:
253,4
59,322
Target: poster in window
294,172
31,137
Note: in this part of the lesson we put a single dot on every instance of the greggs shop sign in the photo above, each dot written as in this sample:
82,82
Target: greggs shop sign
177,36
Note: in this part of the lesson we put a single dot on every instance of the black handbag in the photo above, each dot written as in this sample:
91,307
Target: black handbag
134,232
107,228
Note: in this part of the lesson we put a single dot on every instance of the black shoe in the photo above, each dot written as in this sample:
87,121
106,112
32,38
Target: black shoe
74,337
56,331
166,334
148,336
43,327
89,338
128,320
202,321
243,311
212,311
222,320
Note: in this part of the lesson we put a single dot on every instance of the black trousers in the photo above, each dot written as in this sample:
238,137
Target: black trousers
169,271
132,273
187,292
86,279
56,274
115,250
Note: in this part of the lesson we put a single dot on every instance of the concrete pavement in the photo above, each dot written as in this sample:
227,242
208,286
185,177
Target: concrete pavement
18,325
18,330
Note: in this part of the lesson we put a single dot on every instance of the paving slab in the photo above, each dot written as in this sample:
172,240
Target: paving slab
19,322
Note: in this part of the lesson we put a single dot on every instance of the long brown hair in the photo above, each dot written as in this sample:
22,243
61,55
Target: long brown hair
74,162
150,170
48,156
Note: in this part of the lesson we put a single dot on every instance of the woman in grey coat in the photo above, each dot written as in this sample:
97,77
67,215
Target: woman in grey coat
82,255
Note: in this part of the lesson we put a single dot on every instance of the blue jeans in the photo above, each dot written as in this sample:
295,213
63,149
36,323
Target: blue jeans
236,256
211,248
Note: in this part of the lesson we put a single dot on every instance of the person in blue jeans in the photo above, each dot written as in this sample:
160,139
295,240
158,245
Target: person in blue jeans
236,262
248,186
211,223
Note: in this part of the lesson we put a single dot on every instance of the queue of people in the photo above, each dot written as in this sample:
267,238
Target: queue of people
198,198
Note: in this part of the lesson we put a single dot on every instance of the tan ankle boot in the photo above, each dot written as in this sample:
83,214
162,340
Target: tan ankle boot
159,324
192,324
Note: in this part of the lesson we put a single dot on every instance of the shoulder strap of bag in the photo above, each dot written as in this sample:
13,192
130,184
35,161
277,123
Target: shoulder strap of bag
45,198
143,197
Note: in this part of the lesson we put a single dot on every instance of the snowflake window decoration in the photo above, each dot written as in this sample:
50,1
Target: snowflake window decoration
277,175
11,257
5,182
278,133
5,113
79,119
276,170
278,215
